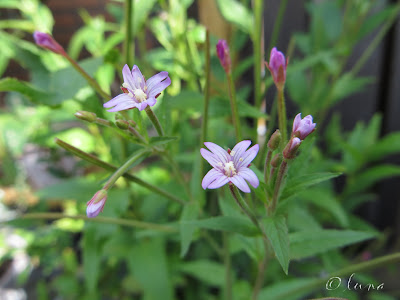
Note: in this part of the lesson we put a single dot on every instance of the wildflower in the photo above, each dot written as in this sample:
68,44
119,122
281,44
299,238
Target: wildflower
46,41
290,150
223,55
277,66
138,92
230,166
303,127
96,204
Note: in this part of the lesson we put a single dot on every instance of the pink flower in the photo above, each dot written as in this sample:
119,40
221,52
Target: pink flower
303,127
137,92
96,204
230,166
223,55
277,66
290,150
46,41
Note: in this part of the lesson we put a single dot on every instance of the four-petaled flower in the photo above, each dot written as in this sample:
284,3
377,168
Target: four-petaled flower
230,166
303,127
138,92
277,66
96,204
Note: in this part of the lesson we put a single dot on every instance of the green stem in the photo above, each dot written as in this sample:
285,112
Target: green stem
277,24
106,220
282,116
278,184
137,134
93,83
266,166
128,32
260,277
390,259
153,118
228,267
206,99
235,115
258,12
96,161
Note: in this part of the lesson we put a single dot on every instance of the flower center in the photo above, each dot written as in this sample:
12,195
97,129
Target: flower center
140,95
229,169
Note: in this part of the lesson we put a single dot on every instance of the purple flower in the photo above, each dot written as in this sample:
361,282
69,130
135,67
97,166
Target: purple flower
137,92
303,127
223,55
46,41
96,204
290,150
277,66
230,166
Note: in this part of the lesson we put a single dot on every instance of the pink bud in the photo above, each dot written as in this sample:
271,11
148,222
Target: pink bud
277,66
290,150
46,41
303,127
96,204
223,55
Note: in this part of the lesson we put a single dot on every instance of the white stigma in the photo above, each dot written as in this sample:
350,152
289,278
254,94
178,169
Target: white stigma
140,95
232,153
229,169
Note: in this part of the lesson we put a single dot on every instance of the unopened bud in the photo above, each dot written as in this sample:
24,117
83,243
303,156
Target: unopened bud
86,116
303,127
223,55
289,152
45,40
132,123
276,160
96,204
122,124
119,116
274,140
277,66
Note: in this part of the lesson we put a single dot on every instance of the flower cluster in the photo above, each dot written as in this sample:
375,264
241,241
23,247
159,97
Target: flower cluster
230,166
138,92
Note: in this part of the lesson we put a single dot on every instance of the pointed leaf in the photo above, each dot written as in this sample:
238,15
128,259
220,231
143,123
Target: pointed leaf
235,12
160,140
207,271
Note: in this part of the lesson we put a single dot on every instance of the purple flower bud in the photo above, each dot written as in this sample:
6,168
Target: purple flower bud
290,150
223,55
46,41
303,127
96,204
277,66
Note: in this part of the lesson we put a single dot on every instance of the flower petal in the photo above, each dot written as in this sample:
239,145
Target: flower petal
158,88
240,183
128,79
151,101
239,149
117,100
123,106
248,156
138,78
250,176
156,79
220,181
211,158
222,155
211,176
142,105
296,122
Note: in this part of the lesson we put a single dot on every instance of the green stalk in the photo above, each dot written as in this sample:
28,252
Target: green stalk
228,267
153,118
266,166
277,24
128,32
206,99
235,115
96,161
260,277
282,116
278,184
258,12
104,220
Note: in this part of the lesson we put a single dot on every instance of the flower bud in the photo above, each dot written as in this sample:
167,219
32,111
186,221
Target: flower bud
132,123
86,116
289,152
303,127
46,41
96,204
274,140
277,66
223,55
276,160
122,124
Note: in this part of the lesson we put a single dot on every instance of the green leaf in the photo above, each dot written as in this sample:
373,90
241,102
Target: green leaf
309,243
348,85
277,233
91,259
235,12
210,272
299,218
369,177
186,100
225,223
161,140
291,289
141,11
186,230
25,88
389,144
302,182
